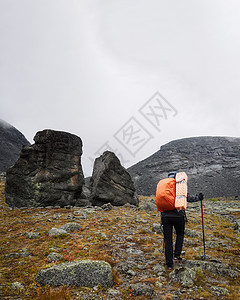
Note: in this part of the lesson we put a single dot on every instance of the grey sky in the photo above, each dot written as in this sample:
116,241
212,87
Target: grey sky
87,67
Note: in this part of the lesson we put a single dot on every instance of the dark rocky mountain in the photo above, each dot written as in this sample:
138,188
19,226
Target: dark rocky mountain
11,142
212,165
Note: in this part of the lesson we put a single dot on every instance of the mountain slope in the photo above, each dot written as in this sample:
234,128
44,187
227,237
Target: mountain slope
11,142
212,165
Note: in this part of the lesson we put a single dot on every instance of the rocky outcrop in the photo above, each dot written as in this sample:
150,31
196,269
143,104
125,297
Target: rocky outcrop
11,142
48,172
212,165
111,183
214,267
84,273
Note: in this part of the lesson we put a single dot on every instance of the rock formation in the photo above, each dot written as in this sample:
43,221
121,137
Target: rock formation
111,183
78,273
11,142
212,165
48,172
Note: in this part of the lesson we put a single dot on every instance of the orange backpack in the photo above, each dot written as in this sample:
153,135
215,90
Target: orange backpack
166,194
172,193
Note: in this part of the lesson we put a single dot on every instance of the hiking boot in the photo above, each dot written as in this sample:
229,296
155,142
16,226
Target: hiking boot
169,267
179,259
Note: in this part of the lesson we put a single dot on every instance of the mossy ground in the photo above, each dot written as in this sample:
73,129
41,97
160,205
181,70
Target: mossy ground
110,245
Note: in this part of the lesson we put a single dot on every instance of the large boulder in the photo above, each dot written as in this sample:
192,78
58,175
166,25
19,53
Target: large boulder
111,183
84,273
47,173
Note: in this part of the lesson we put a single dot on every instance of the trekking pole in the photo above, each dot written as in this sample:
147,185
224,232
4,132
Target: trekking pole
204,256
163,247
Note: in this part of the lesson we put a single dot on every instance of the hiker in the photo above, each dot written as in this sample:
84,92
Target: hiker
174,218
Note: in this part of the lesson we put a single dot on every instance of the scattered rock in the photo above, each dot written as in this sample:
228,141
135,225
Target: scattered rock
124,267
141,220
52,257
159,270
141,289
17,286
219,291
101,235
114,294
90,210
212,245
183,275
149,206
31,235
131,273
23,253
80,214
156,227
192,233
47,173
54,249
214,267
71,227
130,206
107,206
134,251
84,273
57,232
110,182
158,284
237,225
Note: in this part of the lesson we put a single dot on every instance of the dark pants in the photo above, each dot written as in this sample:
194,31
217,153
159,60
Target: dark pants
178,223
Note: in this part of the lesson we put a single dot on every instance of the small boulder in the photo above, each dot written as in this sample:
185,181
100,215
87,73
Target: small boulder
31,235
219,291
52,257
114,294
57,232
183,275
107,206
192,233
159,270
85,273
148,206
71,227
214,267
17,286
156,227
141,289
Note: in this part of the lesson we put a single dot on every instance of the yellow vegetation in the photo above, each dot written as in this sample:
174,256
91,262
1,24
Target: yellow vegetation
88,244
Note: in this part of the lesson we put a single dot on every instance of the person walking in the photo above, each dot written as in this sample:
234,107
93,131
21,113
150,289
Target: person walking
175,219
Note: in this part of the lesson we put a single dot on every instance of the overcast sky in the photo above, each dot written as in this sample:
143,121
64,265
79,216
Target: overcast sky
127,75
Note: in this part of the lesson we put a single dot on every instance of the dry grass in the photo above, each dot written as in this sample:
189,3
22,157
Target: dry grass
118,225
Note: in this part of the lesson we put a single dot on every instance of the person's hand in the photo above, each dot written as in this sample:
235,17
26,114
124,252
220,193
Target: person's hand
200,196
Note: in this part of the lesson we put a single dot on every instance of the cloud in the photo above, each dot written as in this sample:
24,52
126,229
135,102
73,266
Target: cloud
88,66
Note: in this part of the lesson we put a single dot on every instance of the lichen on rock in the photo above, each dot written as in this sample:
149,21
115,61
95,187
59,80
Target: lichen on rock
85,273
